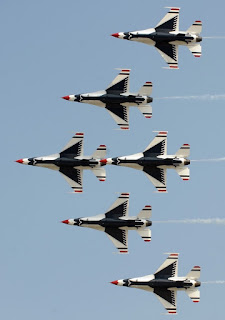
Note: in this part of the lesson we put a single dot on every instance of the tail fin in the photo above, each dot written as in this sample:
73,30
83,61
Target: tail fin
99,173
146,89
146,234
195,49
183,172
194,294
194,274
100,152
196,28
184,151
146,110
145,213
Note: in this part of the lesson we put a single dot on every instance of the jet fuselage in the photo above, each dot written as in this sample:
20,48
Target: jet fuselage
151,161
162,283
61,162
160,37
111,223
109,98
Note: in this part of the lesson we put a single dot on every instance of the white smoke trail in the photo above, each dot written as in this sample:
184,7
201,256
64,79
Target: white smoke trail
214,37
209,160
214,282
220,221
203,97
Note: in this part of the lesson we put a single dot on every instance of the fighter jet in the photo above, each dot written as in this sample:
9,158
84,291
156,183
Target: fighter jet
154,161
165,283
117,99
166,37
70,162
116,223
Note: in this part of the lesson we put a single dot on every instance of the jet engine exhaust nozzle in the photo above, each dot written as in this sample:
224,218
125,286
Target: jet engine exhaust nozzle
197,284
187,162
149,99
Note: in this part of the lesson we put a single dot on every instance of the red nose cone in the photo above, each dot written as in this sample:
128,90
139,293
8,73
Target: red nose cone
114,282
65,221
103,161
116,35
19,161
66,97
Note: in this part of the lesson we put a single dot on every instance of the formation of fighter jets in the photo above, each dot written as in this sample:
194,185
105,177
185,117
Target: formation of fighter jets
153,161
166,37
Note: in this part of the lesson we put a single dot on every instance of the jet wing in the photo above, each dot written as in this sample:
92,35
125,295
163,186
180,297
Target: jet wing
168,298
157,176
120,84
74,177
158,146
120,114
169,268
74,147
169,52
119,208
170,22
119,238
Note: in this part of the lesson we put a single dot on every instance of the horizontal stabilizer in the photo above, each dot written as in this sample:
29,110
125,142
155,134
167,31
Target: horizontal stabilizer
184,151
194,294
196,27
146,90
100,152
99,173
194,274
183,172
146,234
145,213
146,110
196,50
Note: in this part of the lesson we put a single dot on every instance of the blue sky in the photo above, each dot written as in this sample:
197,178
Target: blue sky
54,48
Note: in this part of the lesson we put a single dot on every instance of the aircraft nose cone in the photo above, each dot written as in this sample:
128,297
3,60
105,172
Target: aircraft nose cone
116,35
65,221
115,282
66,97
103,161
19,161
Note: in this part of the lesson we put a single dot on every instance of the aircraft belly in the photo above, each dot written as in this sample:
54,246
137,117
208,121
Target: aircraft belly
48,166
93,226
95,102
145,41
132,165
